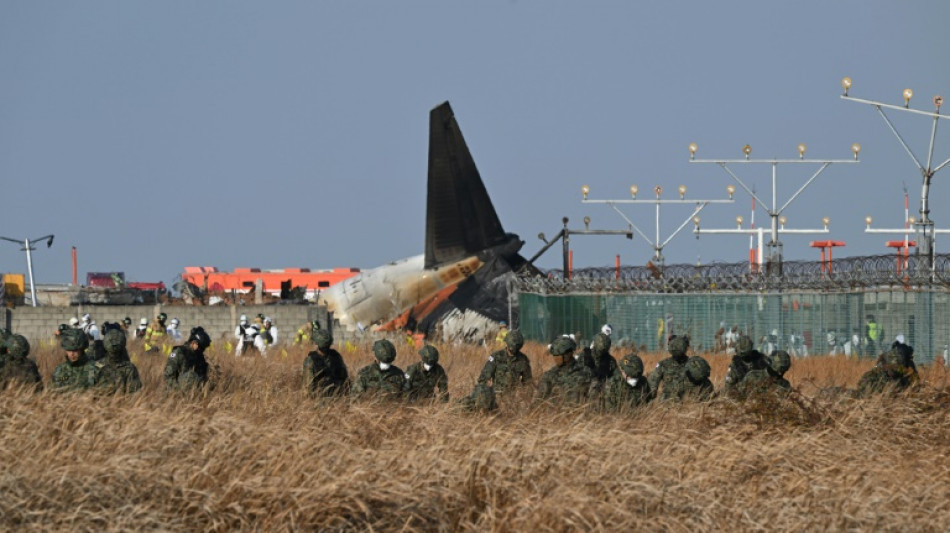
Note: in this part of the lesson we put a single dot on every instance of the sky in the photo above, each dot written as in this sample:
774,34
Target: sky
157,135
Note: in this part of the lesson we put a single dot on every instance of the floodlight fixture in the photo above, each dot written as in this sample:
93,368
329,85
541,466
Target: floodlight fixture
682,191
585,190
633,191
739,220
846,84
692,150
907,94
747,150
825,221
867,221
731,189
782,220
856,149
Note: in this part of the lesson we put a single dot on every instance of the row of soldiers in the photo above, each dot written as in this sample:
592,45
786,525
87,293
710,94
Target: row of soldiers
582,375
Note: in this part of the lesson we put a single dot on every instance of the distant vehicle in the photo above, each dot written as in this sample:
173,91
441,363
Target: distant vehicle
465,248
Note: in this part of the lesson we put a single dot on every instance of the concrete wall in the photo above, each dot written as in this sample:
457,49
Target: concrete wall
38,323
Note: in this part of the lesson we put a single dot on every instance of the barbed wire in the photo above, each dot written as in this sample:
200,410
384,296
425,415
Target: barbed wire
847,274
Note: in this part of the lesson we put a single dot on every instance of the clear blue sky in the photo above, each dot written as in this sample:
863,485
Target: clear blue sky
155,135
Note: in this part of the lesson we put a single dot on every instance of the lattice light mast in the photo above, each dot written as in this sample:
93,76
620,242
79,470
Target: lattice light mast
923,225
774,210
656,242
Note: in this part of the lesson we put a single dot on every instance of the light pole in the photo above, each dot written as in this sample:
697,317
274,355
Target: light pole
924,225
774,210
760,231
28,247
655,242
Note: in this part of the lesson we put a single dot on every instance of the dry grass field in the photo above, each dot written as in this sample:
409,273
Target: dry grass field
256,454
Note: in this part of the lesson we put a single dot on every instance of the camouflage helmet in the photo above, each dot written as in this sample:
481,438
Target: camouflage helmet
384,351
601,342
127,321
514,340
114,341
162,317
697,368
632,365
199,335
905,354
314,324
563,346
744,345
780,362
73,340
678,345
891,357
322,338
63,327
429,354
17,346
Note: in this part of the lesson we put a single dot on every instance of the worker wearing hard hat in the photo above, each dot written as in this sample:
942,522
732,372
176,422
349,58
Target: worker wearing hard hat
140,330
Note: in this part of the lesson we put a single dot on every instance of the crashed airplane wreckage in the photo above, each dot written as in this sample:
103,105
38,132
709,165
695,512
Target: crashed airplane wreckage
458,287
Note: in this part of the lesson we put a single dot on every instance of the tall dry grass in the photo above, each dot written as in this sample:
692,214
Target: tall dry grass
255,454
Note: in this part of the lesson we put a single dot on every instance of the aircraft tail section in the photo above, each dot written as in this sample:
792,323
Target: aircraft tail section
460,218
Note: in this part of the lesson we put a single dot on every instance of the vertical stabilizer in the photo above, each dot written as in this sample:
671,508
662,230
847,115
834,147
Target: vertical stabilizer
460,218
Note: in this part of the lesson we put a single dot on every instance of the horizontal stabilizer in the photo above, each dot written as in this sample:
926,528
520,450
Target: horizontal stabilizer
460,218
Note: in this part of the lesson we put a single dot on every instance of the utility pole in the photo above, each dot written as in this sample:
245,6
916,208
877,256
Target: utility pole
28,247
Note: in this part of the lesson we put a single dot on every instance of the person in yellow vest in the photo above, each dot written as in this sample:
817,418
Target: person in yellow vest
873,333
304,332
502,333
155,333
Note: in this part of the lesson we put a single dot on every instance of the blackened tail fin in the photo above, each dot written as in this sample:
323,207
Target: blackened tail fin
460,218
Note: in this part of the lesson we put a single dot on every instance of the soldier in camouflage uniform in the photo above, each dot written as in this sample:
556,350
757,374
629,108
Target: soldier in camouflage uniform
670,373
482,399
747,359
570,381
891,373
78,372
116,371
772,378
603,365
187,369
626,387
381,378
18,370
424,377
698,385
508,368
324,372
779,363
4,336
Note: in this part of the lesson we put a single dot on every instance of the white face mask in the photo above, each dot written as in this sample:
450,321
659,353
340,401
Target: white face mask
383,366
632,381
427,367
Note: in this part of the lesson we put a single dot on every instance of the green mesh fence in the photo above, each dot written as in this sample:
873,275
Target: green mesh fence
804,323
